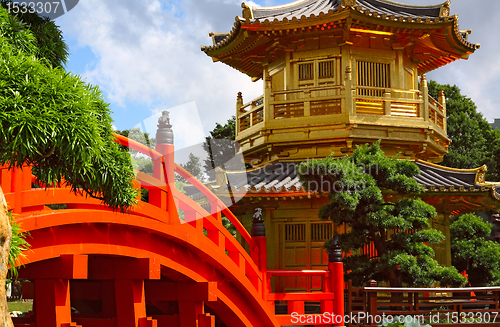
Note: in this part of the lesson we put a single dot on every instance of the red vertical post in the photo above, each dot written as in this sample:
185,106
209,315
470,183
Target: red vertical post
165,145
156,196
17,188
52,302
336,268
130,302
189,313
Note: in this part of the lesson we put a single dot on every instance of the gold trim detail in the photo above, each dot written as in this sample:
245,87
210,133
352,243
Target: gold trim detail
481,175
447,3
445,9
349,3
247,12
448,168
220,176
495,194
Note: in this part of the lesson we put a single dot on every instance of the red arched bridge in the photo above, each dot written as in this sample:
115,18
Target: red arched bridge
90,266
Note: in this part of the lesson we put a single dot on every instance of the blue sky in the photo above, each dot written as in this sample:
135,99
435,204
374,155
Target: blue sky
145,55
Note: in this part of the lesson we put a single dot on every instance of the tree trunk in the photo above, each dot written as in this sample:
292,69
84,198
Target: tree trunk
5,239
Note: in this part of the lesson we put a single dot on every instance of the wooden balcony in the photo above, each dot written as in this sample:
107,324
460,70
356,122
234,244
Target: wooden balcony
351,113
333,100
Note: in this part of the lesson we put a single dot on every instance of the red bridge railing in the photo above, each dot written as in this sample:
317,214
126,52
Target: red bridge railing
197,216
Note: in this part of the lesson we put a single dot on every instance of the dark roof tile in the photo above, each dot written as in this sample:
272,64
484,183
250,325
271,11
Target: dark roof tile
315,7
283,176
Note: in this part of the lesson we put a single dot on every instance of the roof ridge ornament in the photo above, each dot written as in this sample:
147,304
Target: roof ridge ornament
349,3
247,12
445,9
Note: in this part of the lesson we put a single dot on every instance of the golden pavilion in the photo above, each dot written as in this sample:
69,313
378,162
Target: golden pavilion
336,74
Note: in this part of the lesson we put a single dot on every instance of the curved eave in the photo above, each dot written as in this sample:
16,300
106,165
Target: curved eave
430,164
238,41
243,37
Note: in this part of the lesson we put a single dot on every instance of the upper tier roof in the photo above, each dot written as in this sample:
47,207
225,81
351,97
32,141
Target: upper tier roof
307,7
435,34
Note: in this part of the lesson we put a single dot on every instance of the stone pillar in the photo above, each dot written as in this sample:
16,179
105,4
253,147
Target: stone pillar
258,232
165,146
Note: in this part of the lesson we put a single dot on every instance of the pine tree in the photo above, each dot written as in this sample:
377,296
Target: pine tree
399,230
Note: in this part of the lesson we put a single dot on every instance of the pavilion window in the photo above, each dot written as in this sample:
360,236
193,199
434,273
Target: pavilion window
321,231
306,71
326,69
295,232
372,75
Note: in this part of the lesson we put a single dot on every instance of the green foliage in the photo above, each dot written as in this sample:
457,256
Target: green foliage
219,153
355,200
53,120
16,33
18,245
140,162
229,226
193,165
49,43
473,252
468,129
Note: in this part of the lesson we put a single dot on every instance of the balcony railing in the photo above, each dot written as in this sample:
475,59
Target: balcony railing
251,114
437,115
335,100
388,102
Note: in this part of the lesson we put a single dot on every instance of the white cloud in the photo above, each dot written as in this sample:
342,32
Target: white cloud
149,52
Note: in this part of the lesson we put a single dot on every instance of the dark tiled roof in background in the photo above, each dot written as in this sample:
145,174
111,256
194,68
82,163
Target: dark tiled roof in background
315,7
442,177
220,37
282,177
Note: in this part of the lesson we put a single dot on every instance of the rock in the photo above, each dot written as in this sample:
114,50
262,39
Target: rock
5,239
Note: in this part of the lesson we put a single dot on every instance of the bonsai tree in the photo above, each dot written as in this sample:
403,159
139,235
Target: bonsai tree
399,230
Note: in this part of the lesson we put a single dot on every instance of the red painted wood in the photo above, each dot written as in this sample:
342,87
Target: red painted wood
337,286
300,296
189,312
67,266
52,302
206,320
130,302
146,243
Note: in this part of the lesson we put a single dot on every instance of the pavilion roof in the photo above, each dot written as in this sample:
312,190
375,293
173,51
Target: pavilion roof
307,8
257,32
283,177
